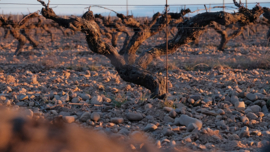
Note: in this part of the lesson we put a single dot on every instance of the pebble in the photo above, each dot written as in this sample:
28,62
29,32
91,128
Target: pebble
168,109
252,97
240,106
255,108
148,106
245,120
95,116
252,116
23,97
186,120
69,119
10,79
244,132
234,100
150,127
172,114
97,100
221,112
131,116
85,116
117,120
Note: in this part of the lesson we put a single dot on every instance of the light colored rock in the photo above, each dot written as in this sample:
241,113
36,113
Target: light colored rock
8,102
96,100
245,120
117,120
10,79
132,116
186,120
85,116
33,79
240,106
2,98
95,116
150,127
29,113
244,132
69,119
65,98
23,97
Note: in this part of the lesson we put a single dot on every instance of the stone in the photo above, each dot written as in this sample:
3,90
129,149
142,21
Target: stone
168,119
252,116
265,109
124,131
3,98
31,104
76,100
97,100
186,120
234,100
191,127
85,96
244,132
28,113
117,120
168,109
132,116
221,112
33,79
172,114
8,102
245,120
221,124
148,106
252,97
10,79
85,116
22,97
69,119
150,127
240,106
195,97
65,98
255,108
95,116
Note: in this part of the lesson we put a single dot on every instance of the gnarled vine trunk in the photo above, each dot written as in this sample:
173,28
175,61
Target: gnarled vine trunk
130,68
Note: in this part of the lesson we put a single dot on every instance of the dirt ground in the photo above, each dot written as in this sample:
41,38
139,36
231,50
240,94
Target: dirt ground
219,101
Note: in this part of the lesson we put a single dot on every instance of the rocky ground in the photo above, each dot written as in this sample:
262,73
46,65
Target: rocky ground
219,101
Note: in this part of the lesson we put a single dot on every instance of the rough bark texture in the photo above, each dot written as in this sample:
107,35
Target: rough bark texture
19,30
266,14
225,37
129,68
189,30
128,73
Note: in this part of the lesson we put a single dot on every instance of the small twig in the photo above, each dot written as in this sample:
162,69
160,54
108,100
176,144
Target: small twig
48,4
42,3
205,8
106,8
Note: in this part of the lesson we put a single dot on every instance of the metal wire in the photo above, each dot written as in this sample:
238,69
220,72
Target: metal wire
129,4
